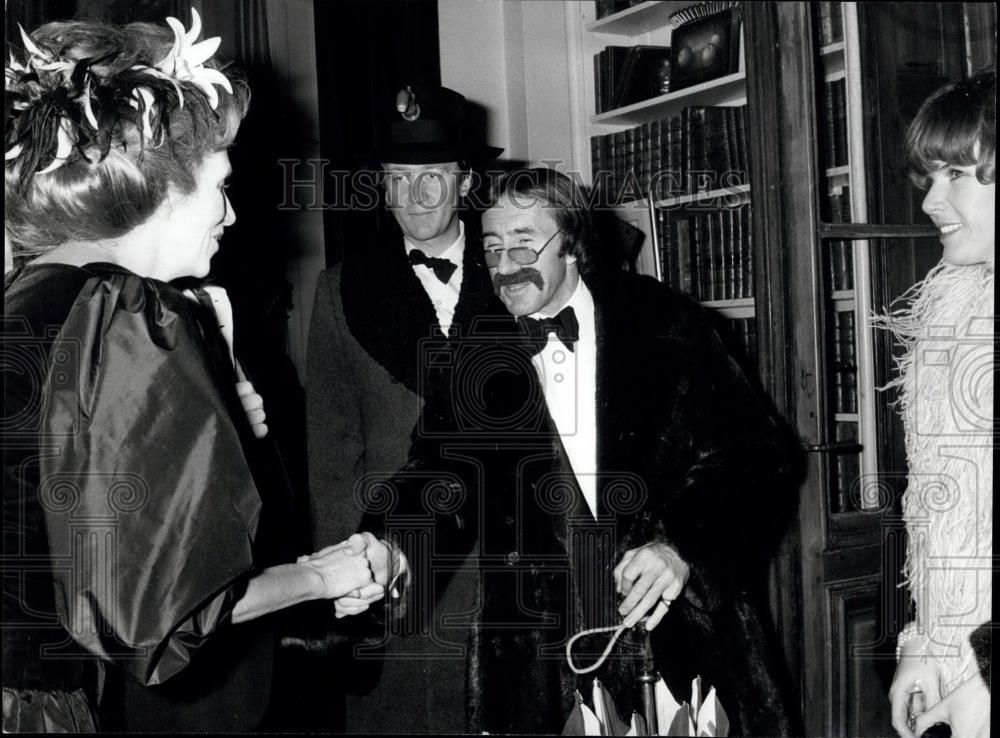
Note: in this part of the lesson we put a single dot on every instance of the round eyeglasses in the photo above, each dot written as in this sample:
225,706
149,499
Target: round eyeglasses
522,255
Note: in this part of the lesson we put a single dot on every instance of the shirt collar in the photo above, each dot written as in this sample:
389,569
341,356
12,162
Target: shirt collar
581,301
453,253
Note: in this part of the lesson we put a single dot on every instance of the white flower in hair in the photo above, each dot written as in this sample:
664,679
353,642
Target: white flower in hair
66,140
186,60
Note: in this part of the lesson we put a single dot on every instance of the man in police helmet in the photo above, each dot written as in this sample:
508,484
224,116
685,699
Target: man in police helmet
423,277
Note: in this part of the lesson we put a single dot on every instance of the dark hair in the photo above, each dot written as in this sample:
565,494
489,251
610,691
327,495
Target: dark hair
564,200
116,175
956,125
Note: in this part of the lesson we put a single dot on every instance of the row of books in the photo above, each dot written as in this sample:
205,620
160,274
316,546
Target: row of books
834,134
838,204
607,7
845,471
831,22
707,253
840,265
744,330
845,369
629,74
701,149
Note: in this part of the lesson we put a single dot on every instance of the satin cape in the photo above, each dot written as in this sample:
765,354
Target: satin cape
150,506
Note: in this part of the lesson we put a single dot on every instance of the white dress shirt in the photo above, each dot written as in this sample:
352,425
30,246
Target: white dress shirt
444,295
569,380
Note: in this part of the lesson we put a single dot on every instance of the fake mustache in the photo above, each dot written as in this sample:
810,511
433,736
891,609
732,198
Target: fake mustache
526,274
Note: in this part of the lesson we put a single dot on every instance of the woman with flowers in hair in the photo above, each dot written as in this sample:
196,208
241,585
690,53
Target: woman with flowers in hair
137,537
945,383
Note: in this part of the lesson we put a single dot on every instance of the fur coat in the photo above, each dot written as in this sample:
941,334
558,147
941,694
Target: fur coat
688,454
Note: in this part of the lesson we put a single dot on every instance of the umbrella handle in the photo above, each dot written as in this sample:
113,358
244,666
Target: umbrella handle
647,678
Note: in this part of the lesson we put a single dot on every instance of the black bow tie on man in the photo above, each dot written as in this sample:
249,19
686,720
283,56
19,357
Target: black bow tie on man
565,325
442,268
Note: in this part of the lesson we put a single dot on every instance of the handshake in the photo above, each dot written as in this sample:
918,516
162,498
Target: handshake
357,572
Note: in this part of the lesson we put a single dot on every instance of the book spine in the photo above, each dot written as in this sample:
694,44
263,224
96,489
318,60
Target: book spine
836,22
840,122
838,362
726,224
684,267
723,290
599,82
678,183
736,217
748,275
851,369
712,291
697,257
686,159
741,140
829,147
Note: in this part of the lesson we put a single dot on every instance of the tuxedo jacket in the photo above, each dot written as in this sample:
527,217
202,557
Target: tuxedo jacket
688,454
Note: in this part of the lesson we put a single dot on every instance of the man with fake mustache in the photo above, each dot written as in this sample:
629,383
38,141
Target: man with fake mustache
643,398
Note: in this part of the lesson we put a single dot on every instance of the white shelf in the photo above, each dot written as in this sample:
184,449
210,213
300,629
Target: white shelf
844,171
705,198
831,50
638,19
741,308
730,90
843,301
846,417
833,60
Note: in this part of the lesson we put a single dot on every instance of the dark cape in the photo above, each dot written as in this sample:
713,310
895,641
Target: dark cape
688,454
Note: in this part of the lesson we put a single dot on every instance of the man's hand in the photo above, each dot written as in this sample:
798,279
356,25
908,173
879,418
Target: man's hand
914,673
253,406
342,568
382,559
966,710
648,576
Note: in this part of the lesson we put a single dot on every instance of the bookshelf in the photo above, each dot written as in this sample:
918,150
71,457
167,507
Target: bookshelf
720,91
847,286
683,177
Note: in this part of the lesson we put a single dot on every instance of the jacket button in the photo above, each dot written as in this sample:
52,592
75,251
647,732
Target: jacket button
512,558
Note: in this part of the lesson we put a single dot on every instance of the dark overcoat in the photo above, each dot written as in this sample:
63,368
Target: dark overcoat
688,453
370,325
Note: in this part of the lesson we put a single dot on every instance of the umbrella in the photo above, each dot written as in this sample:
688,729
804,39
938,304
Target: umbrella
663,714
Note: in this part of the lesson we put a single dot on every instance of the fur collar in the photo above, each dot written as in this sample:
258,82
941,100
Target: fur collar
387,310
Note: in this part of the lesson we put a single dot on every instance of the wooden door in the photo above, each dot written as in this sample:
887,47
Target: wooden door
834,599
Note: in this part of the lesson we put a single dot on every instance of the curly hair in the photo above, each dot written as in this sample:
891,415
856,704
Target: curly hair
564,199
152,132
956,125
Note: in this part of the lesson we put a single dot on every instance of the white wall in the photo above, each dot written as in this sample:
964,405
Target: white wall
511,57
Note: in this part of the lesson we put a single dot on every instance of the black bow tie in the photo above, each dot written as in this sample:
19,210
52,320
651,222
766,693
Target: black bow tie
443,269
565,325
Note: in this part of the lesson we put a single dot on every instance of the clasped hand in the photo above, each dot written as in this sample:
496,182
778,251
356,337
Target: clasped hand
648,577
358,570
